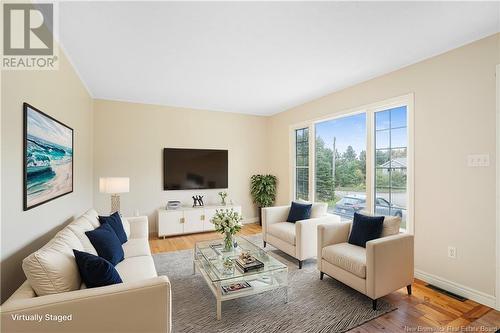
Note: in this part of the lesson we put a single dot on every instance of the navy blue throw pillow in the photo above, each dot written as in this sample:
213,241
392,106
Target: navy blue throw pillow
106,243
115,221
365,228
299,211
96,271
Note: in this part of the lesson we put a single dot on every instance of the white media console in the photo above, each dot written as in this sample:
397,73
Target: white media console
186,220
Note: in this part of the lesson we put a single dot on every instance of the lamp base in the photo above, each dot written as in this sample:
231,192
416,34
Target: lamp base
115,203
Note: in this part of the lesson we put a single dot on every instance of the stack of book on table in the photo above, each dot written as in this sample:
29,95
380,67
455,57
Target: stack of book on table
248,264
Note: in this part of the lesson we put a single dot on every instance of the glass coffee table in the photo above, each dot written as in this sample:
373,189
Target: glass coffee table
209,259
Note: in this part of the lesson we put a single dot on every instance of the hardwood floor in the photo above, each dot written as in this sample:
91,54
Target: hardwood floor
426,310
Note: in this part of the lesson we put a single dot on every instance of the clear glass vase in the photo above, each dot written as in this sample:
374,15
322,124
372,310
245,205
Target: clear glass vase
228,242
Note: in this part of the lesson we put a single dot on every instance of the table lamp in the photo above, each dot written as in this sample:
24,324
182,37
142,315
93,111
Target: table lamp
114,186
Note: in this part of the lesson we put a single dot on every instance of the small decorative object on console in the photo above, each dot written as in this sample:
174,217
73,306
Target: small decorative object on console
227,222
173,204
223,196
197,200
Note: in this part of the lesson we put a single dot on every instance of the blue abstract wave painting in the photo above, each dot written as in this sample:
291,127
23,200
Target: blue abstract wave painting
49,158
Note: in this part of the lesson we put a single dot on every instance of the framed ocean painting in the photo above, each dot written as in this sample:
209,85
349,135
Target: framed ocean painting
48,158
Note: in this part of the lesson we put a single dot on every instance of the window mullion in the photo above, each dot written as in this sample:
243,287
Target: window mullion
312,164
301,171
390,163
370,160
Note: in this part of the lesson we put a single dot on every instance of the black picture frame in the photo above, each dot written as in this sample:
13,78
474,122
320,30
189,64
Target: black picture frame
26,205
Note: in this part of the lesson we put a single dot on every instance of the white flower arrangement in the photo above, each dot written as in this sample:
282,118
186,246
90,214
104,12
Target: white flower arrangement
223,196
227,221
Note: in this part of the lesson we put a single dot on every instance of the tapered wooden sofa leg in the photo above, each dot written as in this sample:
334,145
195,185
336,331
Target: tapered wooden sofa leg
408,289
321,275
374,304
265,243
300,264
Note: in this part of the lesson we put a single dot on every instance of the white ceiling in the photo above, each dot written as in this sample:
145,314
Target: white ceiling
256,57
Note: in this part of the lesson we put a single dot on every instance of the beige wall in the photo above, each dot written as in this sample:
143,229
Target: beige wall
129,139
454,116
60,94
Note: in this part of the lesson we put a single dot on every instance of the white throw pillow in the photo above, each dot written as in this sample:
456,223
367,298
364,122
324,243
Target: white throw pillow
390,226
318,209
92,216
53,269
126,226
79,226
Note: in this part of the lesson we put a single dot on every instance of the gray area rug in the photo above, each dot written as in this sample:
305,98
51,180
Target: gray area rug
313,305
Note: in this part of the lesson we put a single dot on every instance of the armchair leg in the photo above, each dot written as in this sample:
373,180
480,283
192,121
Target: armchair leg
265,243
300,264
374,304
321,275
408,289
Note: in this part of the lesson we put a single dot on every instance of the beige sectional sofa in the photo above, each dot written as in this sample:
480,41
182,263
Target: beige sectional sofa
54,299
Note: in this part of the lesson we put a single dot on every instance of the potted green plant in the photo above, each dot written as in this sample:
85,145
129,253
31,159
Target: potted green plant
263,191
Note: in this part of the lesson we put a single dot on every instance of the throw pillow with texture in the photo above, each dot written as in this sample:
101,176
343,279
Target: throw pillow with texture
299,211
365,228
106,243
115,221
96,271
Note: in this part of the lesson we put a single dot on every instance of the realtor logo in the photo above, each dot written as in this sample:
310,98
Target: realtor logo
28,36
28,30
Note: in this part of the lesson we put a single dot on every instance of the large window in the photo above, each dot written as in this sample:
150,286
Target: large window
340,164
360,161
302,164
391,146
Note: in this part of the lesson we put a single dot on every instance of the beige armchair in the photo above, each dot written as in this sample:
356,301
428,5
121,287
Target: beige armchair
385,265
296,239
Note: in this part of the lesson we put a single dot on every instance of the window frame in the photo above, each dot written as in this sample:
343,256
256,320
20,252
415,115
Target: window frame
293,158
370,110
406,100
296,167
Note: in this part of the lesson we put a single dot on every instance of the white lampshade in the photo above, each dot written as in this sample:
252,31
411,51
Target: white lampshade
114,185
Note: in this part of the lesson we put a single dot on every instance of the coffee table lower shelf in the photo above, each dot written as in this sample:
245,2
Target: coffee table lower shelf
267,281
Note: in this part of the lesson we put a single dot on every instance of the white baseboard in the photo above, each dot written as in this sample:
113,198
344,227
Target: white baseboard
498,277
250,220
472,294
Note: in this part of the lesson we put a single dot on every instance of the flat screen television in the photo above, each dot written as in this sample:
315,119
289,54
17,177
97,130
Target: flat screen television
194,169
